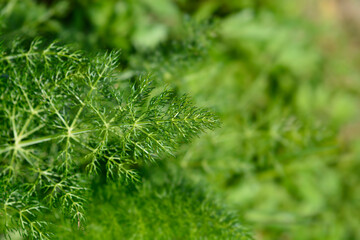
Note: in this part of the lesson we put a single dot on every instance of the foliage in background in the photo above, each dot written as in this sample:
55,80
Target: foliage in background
282,74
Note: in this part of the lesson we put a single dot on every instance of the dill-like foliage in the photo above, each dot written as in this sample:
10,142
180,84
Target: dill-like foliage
165,206
66,118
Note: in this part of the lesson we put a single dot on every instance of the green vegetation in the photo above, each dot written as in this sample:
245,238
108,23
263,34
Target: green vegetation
281,75
63,114
165,206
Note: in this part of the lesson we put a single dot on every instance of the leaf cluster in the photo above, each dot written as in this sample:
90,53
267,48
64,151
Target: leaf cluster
67,118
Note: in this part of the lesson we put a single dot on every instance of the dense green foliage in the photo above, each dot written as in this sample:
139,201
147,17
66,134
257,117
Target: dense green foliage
282,75
191,213
62,115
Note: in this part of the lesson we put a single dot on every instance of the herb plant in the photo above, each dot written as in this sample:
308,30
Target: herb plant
66,119
285,159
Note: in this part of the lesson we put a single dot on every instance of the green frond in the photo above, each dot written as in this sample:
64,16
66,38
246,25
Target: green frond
65,116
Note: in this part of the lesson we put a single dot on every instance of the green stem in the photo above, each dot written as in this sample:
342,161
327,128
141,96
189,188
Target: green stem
54,136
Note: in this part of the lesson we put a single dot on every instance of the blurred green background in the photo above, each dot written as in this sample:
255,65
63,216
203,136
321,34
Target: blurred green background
282,75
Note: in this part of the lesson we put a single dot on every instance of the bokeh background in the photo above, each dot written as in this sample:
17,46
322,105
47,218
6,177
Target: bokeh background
283,76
